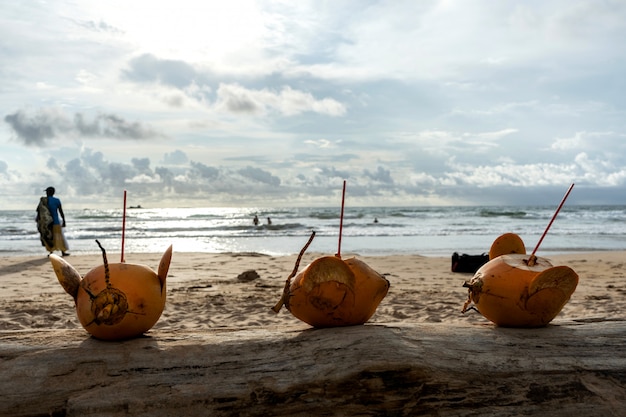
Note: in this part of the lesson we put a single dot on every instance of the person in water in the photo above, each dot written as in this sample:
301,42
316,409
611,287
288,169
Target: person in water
255,220
49,224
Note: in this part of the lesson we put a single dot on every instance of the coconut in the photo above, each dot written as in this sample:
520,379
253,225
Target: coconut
116,301
516,290
332,292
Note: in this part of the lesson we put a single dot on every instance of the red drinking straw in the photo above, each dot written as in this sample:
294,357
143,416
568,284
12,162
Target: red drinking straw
123,226
343,199
533,259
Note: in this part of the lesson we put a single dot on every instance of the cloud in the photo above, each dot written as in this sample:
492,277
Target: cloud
143,179
91,176
288,102
38,128
176,157
332,172
321,143
259,175
600,171
231,97
141,164
381,175
609,142
147,68
422,102
99,26
203,171
308,158
237,99
175,100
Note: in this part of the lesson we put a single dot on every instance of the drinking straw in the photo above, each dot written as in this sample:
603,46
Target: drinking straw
123,226
532,260
343,199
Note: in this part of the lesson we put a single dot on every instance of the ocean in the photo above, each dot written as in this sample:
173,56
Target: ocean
427,231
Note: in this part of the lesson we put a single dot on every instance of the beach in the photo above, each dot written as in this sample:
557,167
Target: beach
204,292
206,296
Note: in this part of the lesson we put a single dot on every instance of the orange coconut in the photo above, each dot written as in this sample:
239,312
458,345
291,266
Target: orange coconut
332,292
511,291
116,301
506,244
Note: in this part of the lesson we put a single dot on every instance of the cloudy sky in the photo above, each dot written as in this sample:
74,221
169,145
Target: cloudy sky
266,103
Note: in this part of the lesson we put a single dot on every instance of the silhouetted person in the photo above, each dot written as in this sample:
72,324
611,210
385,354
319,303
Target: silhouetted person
49,225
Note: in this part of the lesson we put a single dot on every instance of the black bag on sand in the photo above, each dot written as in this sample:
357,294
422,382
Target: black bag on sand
468,263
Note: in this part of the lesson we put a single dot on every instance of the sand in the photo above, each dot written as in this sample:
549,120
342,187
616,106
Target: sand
219,350
204,291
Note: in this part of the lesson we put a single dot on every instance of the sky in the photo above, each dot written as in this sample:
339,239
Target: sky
276,103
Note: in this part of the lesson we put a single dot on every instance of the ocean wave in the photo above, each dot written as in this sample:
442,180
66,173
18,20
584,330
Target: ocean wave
418,229
502,213
17,231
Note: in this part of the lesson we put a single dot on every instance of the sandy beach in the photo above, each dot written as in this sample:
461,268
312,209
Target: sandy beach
208,306
205,293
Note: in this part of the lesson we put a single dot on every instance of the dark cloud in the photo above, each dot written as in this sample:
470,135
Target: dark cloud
141,164
232,96
204,171
149,69
314,157
333,172
540,195
238,100
166,176
93,178
100,26
176,157
92,175
52,164
118,173
259,175
35,129
176,100
81,176
381,175
113,126
94,159
257,159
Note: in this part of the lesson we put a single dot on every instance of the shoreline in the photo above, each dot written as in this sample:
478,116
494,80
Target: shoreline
544,252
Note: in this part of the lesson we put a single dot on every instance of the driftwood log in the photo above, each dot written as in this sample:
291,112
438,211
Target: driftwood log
569,369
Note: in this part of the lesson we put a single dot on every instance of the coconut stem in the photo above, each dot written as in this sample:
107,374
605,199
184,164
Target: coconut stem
106,264
533,259
284,297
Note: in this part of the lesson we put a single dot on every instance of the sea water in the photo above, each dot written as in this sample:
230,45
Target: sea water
428,231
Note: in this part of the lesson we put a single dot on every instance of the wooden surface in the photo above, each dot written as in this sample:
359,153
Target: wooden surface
569,369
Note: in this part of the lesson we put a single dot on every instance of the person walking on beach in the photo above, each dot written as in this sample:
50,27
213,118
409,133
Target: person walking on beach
48,223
